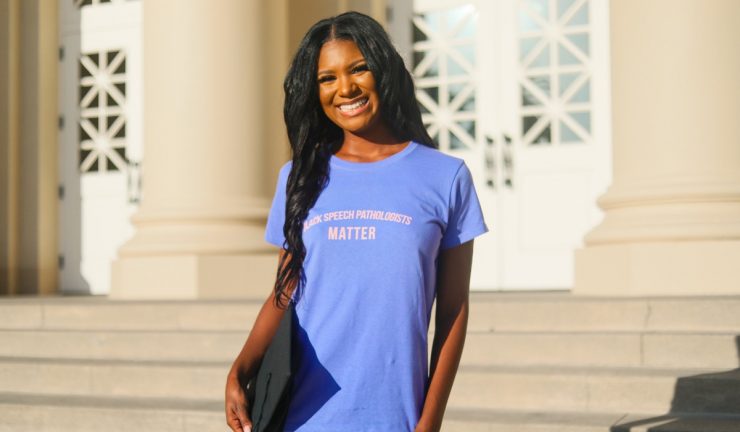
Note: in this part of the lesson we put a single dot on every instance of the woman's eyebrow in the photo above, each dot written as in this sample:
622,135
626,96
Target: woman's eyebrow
351,65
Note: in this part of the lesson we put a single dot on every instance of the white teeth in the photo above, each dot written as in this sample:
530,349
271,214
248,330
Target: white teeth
353,106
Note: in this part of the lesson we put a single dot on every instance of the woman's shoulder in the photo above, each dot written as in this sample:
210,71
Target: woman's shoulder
432,158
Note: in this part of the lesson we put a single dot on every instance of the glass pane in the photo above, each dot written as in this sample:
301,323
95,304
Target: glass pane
432,70
121,132
418,57
83,134
469,127
456,143
583,94
580,40
469,104
528,99
540,6
563,6
565,57
567,135
456,15
543,137
566,80
454,90
96,160
84,90
121,69
453,67
583,119
433,21
527,123
433,93
109,165
468,29
526,45
121,88
83,71
543,82
543,59
121,151
94,103
581,17
417,34
468,52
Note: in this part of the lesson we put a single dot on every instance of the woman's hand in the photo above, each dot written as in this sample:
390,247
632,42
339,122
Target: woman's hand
237,406
248,360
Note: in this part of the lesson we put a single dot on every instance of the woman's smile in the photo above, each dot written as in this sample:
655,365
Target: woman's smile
354,108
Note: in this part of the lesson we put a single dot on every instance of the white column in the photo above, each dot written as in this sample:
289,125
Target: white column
672,214
199,230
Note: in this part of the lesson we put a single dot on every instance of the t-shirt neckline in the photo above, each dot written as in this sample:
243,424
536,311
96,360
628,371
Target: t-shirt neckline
339,162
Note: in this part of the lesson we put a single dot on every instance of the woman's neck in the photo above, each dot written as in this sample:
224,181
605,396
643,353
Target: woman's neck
369,148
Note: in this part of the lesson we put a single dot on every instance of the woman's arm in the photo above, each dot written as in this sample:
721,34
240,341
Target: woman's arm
451,322
247,363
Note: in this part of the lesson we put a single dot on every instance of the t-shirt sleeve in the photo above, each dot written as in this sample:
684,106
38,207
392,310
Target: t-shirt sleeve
465,220
276,218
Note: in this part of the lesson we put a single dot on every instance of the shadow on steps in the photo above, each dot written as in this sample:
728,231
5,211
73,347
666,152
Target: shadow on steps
701,403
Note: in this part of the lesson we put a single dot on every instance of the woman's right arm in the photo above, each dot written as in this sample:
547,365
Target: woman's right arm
247,363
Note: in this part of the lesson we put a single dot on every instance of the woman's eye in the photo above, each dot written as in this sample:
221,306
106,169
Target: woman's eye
360,68
325,78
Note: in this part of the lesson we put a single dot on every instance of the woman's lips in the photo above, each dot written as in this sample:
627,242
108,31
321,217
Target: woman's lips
352,109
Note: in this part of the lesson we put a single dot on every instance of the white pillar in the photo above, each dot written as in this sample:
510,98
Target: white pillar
200,227
672,214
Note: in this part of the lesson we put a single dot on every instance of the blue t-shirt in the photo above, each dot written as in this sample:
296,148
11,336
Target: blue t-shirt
372,241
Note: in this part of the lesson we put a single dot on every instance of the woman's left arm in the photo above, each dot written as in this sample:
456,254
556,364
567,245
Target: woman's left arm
451,323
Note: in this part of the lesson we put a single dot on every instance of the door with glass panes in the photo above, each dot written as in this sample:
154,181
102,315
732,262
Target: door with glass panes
100,145
519,90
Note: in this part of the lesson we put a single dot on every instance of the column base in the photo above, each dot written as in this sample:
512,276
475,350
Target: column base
658,269
192,276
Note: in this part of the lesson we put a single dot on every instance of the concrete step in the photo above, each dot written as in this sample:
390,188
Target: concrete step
545,311
101,313
69,413
26,413
489,420
609,349
561,311
615,349
119,378
584,390
123,345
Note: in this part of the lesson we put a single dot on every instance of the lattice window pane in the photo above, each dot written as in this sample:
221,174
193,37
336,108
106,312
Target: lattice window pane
554,56
444,67
102,131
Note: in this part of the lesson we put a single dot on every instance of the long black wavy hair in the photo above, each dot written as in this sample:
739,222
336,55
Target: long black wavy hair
314,138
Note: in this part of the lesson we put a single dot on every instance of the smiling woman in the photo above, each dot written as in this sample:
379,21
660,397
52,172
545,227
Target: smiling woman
347,89
373,223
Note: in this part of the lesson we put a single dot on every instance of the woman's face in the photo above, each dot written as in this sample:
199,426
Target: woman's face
347,88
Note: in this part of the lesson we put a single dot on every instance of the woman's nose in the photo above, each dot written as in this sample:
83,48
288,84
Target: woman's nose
347,87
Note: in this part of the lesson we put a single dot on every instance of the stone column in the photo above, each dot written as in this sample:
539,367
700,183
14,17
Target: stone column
672,214
9,144
29,47
200,227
